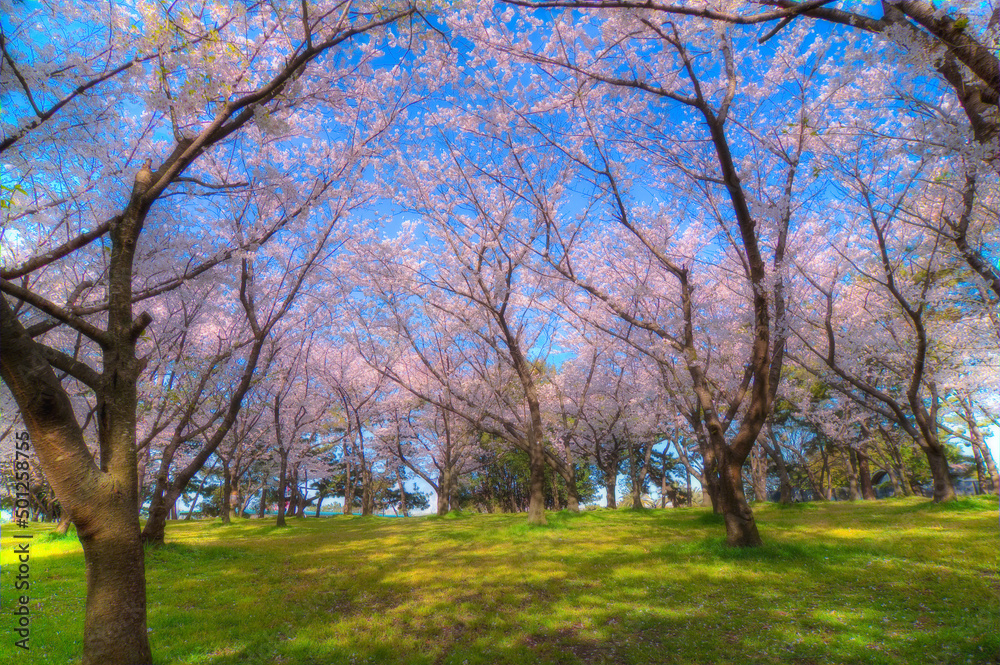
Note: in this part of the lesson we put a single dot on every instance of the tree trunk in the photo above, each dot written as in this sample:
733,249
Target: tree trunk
572,491
741,527
141,474
402,495
159,511
690,496
226,489
825,474
63,527
851,469
709,476
981,476
348,486
991,469
367,491
115,626
865,476
444,491
611,488
944,490
536,484
319,504
282,482
103,500
293,494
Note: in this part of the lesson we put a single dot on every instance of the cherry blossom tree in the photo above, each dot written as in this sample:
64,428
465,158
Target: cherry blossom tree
468,332
734,193
201,96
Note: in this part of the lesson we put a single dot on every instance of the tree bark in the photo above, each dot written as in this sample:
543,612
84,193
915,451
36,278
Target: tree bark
226,489
444,491
741,527
944,490
114,629
851,469
103,501
282,482
865,476
536,484
348,484
64,521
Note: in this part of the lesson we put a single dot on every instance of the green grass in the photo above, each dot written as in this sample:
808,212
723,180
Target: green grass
898,581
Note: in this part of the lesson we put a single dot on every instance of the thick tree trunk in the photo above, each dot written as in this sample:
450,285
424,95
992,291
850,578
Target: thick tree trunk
944,490
103,500
865,477
611,488
444,491
709,475
367,492
159,511
741,527
637,499
536,484
114,630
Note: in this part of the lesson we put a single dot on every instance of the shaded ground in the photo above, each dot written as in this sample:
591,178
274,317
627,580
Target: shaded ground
896,581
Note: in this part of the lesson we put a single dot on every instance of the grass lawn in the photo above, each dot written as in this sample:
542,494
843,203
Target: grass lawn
895,581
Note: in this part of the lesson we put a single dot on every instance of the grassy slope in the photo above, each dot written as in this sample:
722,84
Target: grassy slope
900,581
